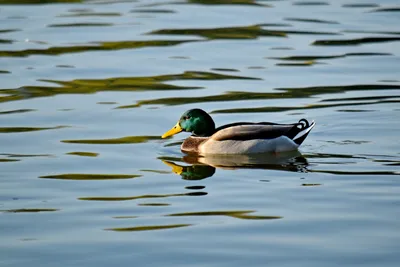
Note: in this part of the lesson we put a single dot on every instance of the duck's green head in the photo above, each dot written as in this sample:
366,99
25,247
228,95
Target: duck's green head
196,121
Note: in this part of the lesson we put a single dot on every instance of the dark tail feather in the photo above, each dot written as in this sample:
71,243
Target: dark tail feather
301,136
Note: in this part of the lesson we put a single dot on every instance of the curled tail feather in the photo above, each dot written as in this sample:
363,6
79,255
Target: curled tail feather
301,136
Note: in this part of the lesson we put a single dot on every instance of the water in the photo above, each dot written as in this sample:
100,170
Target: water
87,88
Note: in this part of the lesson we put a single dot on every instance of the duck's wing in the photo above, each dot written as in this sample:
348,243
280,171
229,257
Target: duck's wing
248,131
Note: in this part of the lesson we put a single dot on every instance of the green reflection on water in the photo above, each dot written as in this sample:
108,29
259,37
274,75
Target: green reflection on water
374,32
147,228
82,24
23,2
106,103
8,30
358,172
154,204
30,210
360,98
142,196
358,41
312,20
26,155
310,3
242,32
122,140
15,111
282,93
83,154
147,83
92,14
9,160
153,11
315,90
366,5
227,2
79,176
239,214
392,164
125,217
27,129
341,159
6,41
96,46
389,9
302,58
247,32
228,96
314,106
298,64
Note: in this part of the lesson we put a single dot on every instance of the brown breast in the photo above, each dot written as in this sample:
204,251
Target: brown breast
192,143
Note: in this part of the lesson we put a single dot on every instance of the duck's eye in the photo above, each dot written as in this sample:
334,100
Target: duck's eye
186,117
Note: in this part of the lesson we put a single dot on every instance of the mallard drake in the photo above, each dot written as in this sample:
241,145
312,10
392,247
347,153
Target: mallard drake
237,138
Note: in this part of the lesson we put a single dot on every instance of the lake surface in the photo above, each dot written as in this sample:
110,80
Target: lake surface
88,87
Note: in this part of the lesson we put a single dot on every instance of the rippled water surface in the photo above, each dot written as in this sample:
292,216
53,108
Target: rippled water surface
88,87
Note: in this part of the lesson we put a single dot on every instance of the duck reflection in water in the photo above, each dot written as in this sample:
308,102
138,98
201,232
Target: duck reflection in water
205,166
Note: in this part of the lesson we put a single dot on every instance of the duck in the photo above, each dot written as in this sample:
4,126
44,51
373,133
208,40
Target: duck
238,137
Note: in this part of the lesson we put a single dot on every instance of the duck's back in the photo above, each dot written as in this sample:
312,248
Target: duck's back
249,131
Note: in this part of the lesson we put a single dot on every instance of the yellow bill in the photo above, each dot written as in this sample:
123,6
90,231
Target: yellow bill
175,168
176,129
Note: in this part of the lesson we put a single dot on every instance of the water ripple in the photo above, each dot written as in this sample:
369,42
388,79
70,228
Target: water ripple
147,228
95,46
388,9
142,196
301,58
239,214
30,210
242,32
227,2
83,154
87,13
290,108
90,177
312,20
88,86
357,41
8,112
361,5
122,140
80,24
27,129
40,2
284,93
310,3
